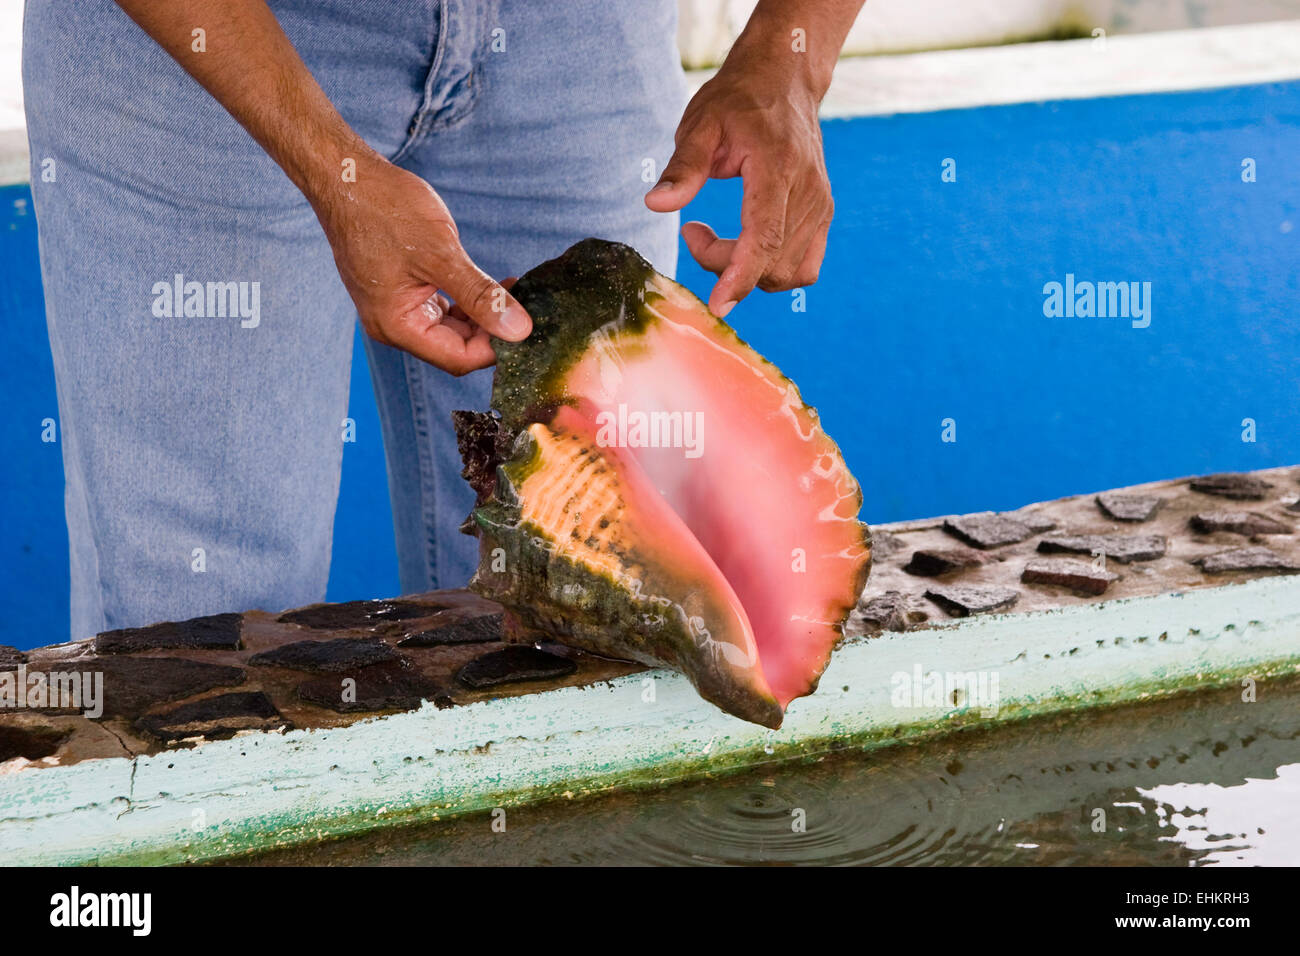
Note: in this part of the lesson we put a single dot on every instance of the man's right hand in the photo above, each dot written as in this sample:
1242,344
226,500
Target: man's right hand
394,241
397,247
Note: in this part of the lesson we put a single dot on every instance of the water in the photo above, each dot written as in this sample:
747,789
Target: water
1198,780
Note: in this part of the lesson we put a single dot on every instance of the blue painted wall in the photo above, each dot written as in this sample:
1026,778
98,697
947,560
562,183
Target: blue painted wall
930,307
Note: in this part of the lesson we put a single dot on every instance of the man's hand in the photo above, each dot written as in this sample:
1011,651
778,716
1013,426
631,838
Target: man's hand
757,119
748,126
396,246
394,241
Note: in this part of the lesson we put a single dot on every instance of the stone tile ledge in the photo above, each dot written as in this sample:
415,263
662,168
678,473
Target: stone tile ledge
235,733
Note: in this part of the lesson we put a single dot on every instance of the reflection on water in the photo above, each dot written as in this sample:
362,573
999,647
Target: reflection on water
1251,824
1201,779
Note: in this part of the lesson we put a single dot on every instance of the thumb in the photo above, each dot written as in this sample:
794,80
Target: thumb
483,300
685,174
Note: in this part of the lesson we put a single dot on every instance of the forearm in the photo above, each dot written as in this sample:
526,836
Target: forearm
771,39
250,67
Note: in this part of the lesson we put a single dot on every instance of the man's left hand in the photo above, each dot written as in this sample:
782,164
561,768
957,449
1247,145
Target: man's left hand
762,126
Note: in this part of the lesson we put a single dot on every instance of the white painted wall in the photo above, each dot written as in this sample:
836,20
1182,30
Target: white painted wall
11,81
707,27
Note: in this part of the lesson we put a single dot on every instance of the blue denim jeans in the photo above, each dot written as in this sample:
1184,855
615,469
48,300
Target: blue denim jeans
202,451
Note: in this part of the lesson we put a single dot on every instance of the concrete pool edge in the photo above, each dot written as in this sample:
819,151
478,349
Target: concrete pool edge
262,791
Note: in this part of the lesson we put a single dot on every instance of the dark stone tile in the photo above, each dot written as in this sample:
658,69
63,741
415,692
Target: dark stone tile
1118,547
1122,507
215,717
133,685
1245,559
932,562
458,626
354,614
988,530
1237,487
30,741
10,657
891,611
512,664
1076,575
215,632
344,654
393,686
961,600
1237,522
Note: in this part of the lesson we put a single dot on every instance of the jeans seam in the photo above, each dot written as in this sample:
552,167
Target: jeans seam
423,451
466,107
420,127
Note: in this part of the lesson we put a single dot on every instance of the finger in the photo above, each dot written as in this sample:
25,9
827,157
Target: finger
811,266
762,236
483,300
783,273
462,327
475,353
375,332
444,347
687,171
706,248
457,312
459,355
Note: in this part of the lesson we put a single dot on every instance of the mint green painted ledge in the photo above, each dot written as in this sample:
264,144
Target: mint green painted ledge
260,791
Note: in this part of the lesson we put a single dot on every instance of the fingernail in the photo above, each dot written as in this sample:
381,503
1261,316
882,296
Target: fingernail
662,185
725,308
515,323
